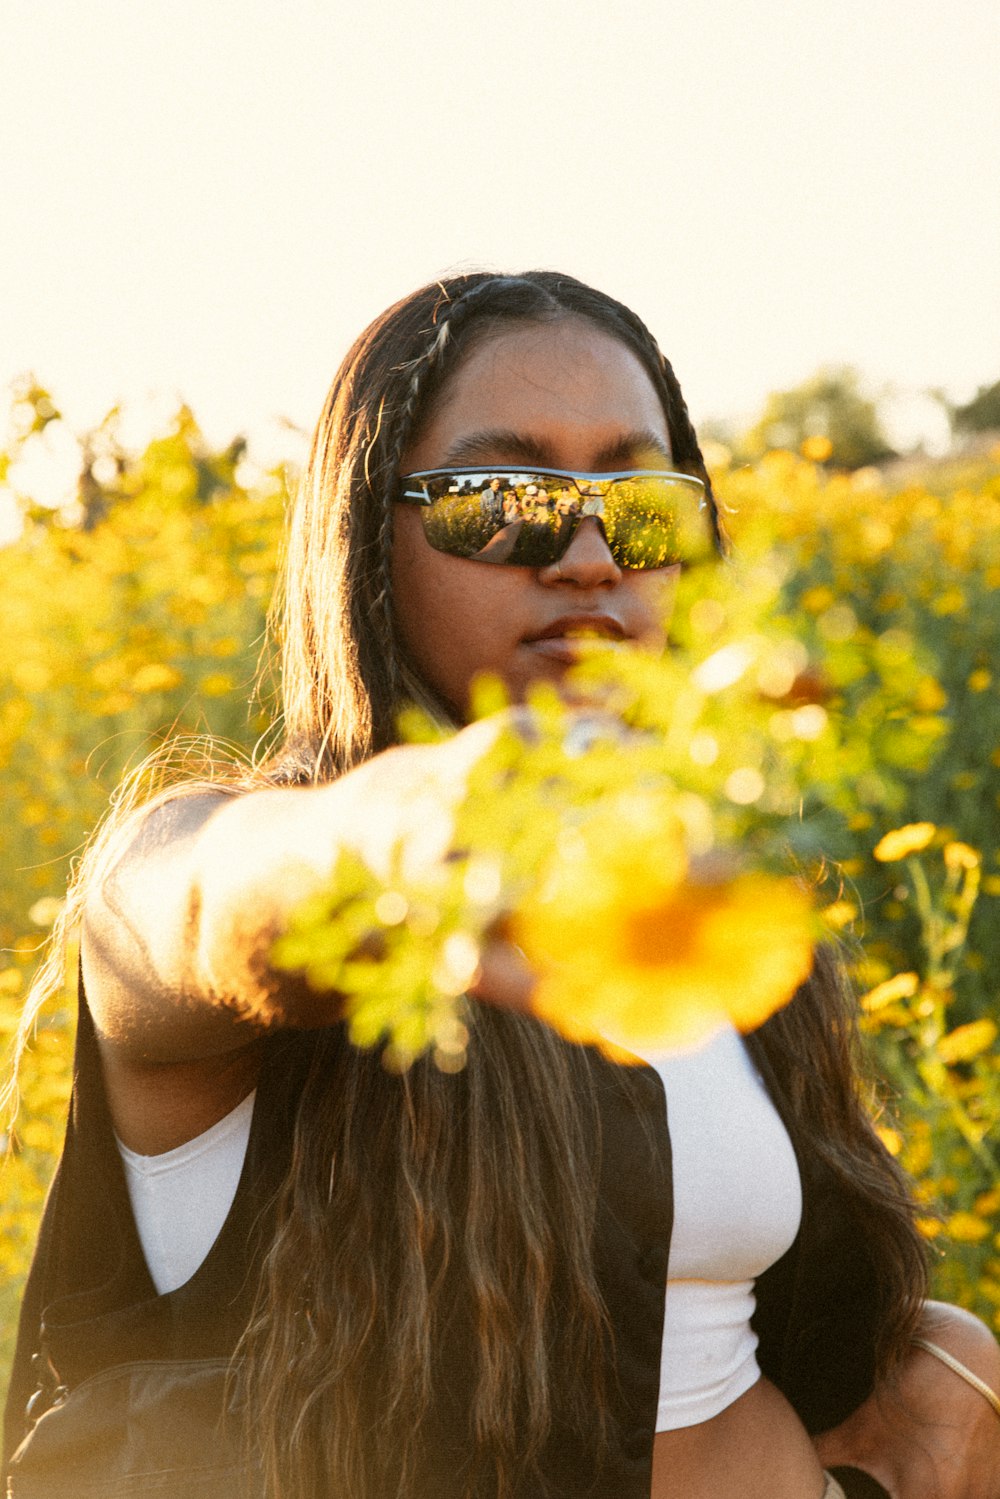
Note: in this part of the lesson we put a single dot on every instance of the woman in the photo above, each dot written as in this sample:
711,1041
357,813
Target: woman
431,1284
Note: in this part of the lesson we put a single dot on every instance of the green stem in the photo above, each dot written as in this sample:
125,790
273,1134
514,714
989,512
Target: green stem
935,1076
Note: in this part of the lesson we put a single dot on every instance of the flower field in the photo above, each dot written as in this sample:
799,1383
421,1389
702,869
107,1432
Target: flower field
144,617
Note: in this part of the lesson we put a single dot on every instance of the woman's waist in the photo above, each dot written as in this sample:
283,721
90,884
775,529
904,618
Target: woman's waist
709,1350
757,1447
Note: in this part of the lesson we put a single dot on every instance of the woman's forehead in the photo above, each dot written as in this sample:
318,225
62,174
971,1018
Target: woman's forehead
536,391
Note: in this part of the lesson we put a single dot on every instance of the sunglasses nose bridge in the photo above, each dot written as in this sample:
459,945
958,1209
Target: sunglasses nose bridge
586,556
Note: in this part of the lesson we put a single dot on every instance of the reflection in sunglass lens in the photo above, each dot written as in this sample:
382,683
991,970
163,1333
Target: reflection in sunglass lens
528,519
644,525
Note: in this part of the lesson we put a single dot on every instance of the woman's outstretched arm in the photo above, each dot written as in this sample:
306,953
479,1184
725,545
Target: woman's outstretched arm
182,911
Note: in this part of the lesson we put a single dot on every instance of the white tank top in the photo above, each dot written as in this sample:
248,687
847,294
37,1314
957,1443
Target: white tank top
737,1208
181,1199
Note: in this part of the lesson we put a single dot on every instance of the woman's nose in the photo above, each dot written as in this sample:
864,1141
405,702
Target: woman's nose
587,561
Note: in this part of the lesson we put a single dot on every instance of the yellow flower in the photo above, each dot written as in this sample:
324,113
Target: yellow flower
840,914
929,696
952,601
980,679
967,1041
31,676
902,986
45,911
155,676
891,1138
966,1228
817,449
929,1227
216,684
816,599
901,842
958,856
918,1156
631,946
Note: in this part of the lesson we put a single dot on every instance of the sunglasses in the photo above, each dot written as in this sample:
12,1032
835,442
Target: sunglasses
649,517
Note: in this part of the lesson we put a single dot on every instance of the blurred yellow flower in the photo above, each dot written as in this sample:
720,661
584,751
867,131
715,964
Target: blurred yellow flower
901,842
155,676
840,914
967,1041
958,856
631,945
45,911
816,599
31,676
966,1228
816,449
952,601
929,696
891,1138
901,986
918,1156
216,684
980,679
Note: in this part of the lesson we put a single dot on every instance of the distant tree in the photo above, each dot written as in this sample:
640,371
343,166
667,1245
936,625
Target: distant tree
179,464
981,414
828,417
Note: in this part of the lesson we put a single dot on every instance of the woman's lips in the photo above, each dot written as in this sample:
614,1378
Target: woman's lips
568,638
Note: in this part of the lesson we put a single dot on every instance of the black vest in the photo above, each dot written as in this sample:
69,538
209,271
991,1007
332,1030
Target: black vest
129,1388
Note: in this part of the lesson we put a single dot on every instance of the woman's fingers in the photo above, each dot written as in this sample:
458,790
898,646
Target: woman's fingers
504,977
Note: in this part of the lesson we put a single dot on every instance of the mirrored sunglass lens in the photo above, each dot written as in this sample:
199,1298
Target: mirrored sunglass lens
528,519
512,520
655,522
462,520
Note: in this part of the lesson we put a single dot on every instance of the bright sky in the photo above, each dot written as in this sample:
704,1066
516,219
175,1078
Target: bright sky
210,198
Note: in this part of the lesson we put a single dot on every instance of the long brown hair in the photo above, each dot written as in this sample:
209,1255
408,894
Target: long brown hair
459,1171
410,1194
385,1238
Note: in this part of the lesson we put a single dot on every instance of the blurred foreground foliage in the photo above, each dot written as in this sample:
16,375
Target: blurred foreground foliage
138,612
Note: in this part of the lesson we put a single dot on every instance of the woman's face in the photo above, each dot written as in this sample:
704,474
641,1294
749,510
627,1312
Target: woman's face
560,395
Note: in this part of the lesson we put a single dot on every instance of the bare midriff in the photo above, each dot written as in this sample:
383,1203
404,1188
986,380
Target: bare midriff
756,1448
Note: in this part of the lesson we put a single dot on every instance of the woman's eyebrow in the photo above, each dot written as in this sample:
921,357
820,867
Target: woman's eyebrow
631,445
484,445
522,447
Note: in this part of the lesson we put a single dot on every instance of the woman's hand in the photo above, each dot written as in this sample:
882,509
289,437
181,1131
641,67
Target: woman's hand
504,977
927,1434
